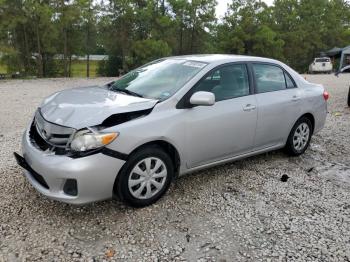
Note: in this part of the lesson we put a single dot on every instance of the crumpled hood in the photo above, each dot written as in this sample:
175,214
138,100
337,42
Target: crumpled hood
89,106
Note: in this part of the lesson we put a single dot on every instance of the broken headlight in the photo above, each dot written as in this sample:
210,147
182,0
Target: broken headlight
86,140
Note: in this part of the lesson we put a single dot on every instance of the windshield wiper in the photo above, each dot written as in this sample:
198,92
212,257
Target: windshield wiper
126,91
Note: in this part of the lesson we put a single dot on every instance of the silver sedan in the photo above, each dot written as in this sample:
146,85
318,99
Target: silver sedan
132,137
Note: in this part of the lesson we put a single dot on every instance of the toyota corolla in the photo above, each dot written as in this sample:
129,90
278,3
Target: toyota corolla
130,138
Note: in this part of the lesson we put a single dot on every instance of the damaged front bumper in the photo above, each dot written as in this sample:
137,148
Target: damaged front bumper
71,180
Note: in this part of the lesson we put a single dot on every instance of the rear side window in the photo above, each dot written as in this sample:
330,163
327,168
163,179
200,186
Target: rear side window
270,78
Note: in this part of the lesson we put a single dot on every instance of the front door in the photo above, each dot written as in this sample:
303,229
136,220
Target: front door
227,128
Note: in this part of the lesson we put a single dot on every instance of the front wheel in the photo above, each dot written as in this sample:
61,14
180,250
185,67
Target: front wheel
299,137
349,97
145,177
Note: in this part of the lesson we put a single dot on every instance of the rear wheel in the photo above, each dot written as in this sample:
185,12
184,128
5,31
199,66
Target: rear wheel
349,97
299,137
145,177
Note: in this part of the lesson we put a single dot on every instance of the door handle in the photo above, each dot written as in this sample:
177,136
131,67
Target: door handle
249,107
295,98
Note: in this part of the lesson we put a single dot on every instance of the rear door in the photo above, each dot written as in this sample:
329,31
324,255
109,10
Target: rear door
278,101
227,128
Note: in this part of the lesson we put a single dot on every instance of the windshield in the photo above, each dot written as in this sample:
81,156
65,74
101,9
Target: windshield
158,80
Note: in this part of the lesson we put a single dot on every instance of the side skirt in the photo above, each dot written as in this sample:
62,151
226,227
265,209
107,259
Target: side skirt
231,159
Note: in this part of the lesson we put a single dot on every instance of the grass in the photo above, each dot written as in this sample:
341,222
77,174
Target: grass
3,69
79,68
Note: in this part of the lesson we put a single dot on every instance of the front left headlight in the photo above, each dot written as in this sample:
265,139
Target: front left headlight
85,140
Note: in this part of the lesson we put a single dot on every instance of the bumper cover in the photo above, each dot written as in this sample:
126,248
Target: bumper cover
95,174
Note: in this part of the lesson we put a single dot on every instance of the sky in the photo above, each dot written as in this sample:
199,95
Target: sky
222,6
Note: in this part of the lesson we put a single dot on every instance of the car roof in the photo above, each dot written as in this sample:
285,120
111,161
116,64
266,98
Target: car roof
221,58
218,59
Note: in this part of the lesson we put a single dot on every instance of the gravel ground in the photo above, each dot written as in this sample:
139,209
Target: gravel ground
235,212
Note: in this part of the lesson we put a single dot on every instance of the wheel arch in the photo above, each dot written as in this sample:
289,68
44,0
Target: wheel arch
288,146
310,117
169,148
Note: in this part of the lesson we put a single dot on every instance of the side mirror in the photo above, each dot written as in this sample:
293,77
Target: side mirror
202,98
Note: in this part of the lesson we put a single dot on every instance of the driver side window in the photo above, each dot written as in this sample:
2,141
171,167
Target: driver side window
226,82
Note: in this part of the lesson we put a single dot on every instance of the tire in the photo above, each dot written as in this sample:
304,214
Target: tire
137,173
299,137
349,97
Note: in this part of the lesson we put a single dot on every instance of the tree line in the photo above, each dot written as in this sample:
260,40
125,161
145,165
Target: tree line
39,37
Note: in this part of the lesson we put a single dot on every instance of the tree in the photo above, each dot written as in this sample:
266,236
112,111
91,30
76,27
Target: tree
69,22
40,37
267,43
194,20
88,11
247,30
45,34
147,50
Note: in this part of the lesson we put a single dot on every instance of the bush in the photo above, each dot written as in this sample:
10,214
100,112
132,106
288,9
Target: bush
110,67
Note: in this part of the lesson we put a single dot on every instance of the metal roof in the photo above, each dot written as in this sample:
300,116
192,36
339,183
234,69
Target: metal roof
336,51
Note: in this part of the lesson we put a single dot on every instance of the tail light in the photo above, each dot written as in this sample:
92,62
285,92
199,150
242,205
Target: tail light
325,95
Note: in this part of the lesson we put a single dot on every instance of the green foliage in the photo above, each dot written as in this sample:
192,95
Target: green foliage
193,21
11,61
110,67
246,30
3,69
145,51
39,37
38,30
309,27
267,43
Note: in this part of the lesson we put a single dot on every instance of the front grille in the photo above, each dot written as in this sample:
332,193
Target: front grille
55,135
49,136
37,140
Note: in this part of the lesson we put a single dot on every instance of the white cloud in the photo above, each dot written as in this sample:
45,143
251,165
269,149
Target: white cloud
222,6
